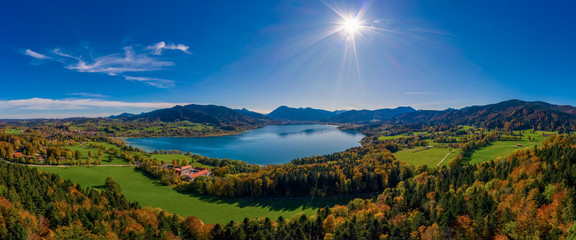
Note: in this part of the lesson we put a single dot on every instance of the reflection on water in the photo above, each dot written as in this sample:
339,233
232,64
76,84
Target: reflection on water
268,145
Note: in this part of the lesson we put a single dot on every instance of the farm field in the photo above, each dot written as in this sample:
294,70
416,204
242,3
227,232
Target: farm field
148,192
496,150
501,149
424,156
13,131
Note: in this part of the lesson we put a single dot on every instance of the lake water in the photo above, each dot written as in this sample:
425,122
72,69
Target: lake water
269,145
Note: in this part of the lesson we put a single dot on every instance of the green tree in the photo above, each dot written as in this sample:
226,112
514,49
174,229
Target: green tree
78,154
112,186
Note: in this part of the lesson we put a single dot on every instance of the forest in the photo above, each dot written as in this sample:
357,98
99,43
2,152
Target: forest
531,194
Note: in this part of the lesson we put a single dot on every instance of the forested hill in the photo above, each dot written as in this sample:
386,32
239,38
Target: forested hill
206,114
252,114
512,114
365,116
300,114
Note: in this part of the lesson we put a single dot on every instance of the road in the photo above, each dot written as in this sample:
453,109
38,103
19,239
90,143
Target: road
445,157
40,165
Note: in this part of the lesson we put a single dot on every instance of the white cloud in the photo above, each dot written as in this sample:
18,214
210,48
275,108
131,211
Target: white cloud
84,94
131,60
76,104
35,54
115,64
56,115
158,48
156,82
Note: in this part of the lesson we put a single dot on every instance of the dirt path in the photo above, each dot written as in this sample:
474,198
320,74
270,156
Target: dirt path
445,157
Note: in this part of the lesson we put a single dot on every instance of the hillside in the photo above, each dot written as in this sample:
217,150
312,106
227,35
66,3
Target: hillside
122,115
252,114
300,114
365,116
512,114
206,114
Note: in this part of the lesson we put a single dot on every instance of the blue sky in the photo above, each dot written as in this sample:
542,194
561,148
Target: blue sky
79,58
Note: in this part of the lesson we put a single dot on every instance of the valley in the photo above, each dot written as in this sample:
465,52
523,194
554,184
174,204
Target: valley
393,160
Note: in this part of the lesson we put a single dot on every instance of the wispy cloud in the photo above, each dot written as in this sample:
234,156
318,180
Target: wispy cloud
118,63
156,82
133,59
158,48
423,93
35,54
84,94
75,104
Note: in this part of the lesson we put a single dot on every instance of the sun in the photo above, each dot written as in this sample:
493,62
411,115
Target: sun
351,25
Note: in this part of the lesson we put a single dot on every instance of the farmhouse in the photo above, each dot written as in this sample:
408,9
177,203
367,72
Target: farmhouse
189,173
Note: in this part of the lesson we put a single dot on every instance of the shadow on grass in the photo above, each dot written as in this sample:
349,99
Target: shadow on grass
271,203
99,187
282,203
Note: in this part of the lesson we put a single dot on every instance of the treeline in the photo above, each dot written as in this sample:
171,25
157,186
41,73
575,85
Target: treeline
99,127
359,170
227,166
167,176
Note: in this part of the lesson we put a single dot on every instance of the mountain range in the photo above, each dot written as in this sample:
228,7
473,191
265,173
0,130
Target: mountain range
300,114
511,114
207,114
366,116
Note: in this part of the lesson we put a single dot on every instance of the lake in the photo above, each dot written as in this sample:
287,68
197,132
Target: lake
269,145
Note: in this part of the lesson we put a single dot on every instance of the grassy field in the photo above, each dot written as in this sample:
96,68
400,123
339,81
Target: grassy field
496,150
85,150
418,156
13,131
148,192
424,156
502,149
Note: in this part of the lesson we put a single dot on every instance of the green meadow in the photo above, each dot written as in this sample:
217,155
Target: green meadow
494,151
13,131
148,192
502,149
424,156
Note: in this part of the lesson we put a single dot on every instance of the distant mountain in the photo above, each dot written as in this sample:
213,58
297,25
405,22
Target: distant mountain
251,114
365,116
207,114
123,115
300,114
340,111
512,114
